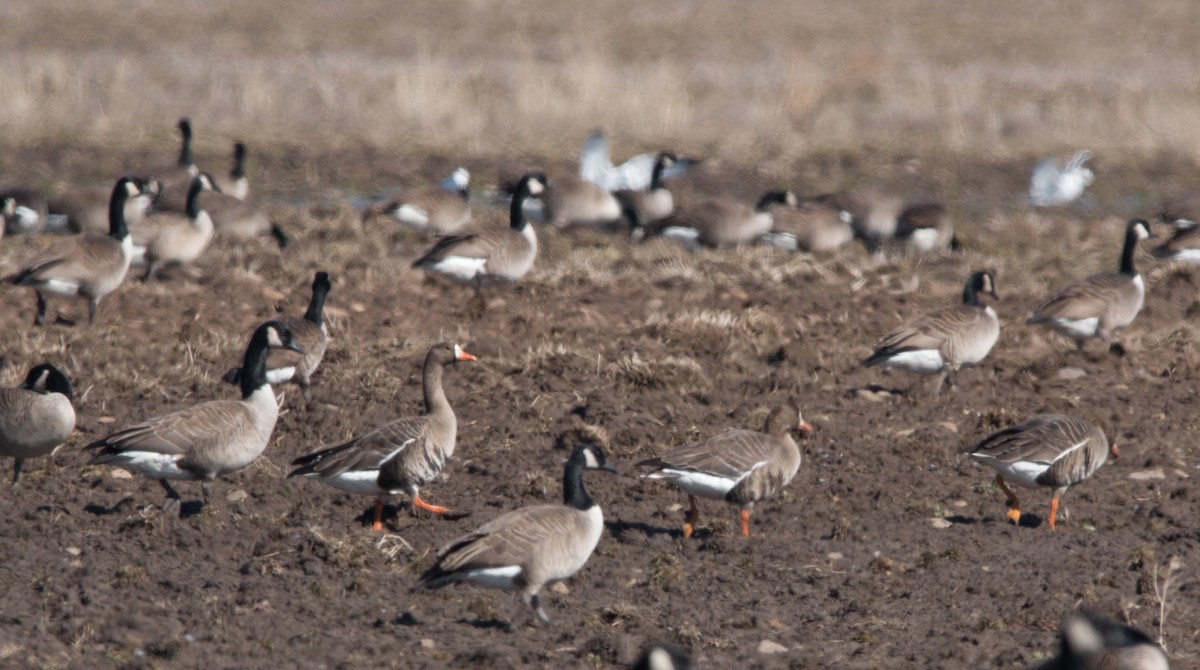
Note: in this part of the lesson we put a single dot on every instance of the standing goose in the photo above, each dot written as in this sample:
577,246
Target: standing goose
167,238
86,266
738,466
656,202
926,227
236,184
401,455
177,179
720,222
1046,450
208,440
1102,303
526,549
1089,642
35,417
810,227
86,209
444,209
945,339
310,333
232,216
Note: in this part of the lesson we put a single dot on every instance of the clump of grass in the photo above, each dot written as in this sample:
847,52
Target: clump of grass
128,575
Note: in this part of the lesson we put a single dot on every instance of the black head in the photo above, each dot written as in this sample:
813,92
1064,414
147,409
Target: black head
1139,229
590,457
321,282
982,282
185,128
776,198
533,184
46,378
239,152
275,335
1084,634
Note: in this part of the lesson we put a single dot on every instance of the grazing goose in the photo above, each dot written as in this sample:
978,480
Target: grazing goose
1102,303
444,209
529,548
1181,214
1184,245
177,179
24,212
1046,450
874,215
810,227
1089,642
86,209
945,339
656,202
926,227
310,333
36,417
738,466
635,174
401,455
664,657
1052,185
235,217
573,201
85,266
236,184
166,238
208,440
719,222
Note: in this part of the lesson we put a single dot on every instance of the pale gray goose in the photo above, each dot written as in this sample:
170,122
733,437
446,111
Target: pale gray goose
401,455
235,217
926,227
656,202
86,209
236,184
208,440
171,238
719,222
87,266
1047,450
1089,642
308,331
532,547
810,226
175,180
946,339
35,417
573,201
1102,303
444,209
738,466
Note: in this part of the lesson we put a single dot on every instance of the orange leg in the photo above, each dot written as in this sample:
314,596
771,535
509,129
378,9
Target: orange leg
1053,510
745,522
417,502
1014,505
378,524
689,524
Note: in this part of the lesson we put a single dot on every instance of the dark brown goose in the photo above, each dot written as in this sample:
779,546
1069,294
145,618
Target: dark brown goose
235,217
1044,451
655,203
35,417
740,467
444,209
308,331
401,455
926,227
1089,642
1100,304
236,184
719,222
529,548
171,238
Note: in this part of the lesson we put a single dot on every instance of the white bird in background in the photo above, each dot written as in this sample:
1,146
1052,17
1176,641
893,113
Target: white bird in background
635,174
1052,185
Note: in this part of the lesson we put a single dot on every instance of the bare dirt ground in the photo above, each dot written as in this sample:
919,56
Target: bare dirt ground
889,549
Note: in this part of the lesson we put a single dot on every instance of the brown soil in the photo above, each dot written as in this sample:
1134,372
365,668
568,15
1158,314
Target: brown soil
641,348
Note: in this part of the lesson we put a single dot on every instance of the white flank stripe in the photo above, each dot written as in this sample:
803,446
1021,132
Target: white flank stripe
689,237
356,481
152,464
495,578
461,268
697,483
923,361
60,287
413,216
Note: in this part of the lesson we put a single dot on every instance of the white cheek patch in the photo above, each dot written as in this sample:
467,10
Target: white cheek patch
273,338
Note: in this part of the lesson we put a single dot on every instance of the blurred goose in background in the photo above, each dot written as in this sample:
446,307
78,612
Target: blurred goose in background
1089,642
234,217
171,238
664,657
401,455
572,201
24,212
310,333
946,339
1181,214
738,466
1047,450
635,174
1101,304
236,184
1052,185
87,266
926,227
874,214
174,181
532,547
810,226
656,202
717,222
207,440
1184,245
444,209
85,210
35,417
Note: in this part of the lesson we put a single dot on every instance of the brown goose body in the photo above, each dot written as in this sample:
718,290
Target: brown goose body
740,467
926,227
572,201
235,217
1088,642
721,222
166,238
86,209
1044,451
35,417
809,227
443,209
1181,213
874,214
401,455
1183,245
656,202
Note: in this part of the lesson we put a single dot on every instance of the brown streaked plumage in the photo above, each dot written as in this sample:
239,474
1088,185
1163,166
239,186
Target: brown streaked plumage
926,227
810,227
1089,642
740,467
1047,450
235,184
401,455
35,417
171,238
443,209
718,222
655,203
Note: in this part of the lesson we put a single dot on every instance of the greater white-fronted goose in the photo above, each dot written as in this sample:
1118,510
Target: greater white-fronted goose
529,548
308,331
1088,642
946,339
719,222
635,174
236,184
810,226
738,466
175,180
235,217
1047,450
656,202
926,227
208,440
86,209
401,455
1102,303
573,201
35,417
444,209
1051,185
167,238
87,266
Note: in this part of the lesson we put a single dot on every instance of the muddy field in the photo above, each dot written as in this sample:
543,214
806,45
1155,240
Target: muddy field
889,549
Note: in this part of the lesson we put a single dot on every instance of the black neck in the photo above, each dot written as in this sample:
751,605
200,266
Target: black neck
1131,240
464,193
516,212
771,198
316,306
971,294
239,161
193,200
254,365
185,149
574,494
656,175
117,229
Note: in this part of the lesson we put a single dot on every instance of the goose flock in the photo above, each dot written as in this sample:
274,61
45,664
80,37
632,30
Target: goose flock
167,218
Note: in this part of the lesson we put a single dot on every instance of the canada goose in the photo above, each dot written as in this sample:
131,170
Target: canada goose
444,209
529,548
656,202
738,466
176,180
810,226
1181,214
945,339
1088,642
208,440
664,657
1184,244
35,417
1052,185
1046,450
873,213
719,222
166,238
1102,303
926,227
310,333
635,174
86,209
236,184
491,256
85,266
234,217
400,455
24,212
572,201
